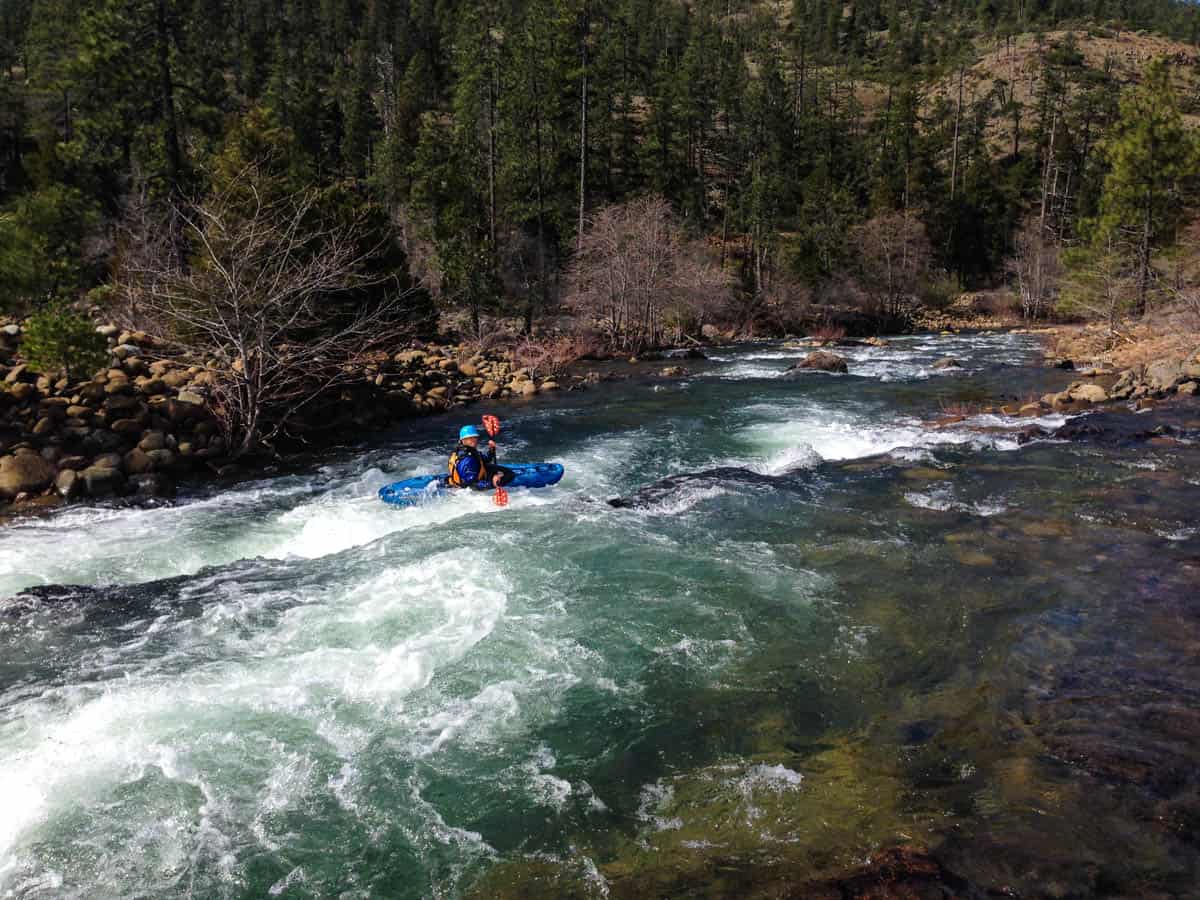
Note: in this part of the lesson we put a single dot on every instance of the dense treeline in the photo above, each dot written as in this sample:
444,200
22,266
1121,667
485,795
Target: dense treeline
485,133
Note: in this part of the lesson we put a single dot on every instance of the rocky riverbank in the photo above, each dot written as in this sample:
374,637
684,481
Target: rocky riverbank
145,423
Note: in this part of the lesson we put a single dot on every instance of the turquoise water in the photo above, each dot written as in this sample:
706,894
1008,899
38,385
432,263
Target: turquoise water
865,633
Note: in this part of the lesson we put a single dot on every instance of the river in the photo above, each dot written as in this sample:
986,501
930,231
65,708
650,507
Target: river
858,633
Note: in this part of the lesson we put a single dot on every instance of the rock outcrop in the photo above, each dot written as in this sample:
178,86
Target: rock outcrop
821,361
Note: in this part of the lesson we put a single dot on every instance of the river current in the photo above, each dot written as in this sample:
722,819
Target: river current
856,632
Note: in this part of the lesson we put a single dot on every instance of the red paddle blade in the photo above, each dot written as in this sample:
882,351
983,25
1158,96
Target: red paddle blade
500,498
492,425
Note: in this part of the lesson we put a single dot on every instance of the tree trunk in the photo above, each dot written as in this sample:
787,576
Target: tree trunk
170,130
583,128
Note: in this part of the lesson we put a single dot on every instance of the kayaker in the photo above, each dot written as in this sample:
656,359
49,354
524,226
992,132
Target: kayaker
471,468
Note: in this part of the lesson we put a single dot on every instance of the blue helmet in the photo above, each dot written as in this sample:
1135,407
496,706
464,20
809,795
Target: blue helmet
468,431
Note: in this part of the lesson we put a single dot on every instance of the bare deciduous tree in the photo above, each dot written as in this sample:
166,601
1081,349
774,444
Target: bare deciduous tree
271,301
1183,285
894,259
636,276
1036,269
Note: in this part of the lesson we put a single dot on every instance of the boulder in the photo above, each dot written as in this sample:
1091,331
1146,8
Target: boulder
1087,393
108,331
1031,409
821,361
175,379
489,390
44,426
152,440
190,397
126,427
73,462
137,462
947,362
409,357
527,388
710,332
22,391
468,369
11,330
549,386
102,481
1189,388
1164,374
15,373
671,372
161,459
685,353
24,473
68,484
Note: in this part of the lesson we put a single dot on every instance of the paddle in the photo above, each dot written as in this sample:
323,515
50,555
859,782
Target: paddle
492,425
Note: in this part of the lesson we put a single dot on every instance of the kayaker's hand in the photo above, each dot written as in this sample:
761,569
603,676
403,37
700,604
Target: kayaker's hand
496,479
491,445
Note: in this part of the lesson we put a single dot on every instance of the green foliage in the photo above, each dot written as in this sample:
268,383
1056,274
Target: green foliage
1151,157
57,340
481,129
41,246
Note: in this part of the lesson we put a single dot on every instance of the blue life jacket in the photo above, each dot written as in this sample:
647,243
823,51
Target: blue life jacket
469,467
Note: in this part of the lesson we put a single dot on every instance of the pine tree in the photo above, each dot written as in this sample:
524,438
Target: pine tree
1150,158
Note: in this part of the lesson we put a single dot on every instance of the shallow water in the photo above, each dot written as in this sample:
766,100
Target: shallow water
883,635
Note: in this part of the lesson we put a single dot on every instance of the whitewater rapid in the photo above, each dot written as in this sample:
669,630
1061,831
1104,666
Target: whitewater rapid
206,696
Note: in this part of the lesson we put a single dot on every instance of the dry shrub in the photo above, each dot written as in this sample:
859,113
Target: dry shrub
997,304
550,357
960,408
828,332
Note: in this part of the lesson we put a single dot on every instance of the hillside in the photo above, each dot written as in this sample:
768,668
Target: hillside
478,140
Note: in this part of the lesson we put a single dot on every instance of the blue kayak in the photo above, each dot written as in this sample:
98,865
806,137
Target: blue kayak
412,491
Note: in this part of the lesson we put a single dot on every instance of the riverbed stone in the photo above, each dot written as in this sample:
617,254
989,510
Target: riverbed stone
152,440
136,461
947,362
489,390
22,391
126,427
24,473
528,388
68,484
102,481
1188,388
162,458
